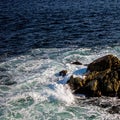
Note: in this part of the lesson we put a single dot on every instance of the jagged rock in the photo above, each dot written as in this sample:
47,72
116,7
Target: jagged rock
80,86
103,63
107,82
103,78
75,83
63,73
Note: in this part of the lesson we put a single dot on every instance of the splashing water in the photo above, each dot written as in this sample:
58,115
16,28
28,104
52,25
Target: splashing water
40,93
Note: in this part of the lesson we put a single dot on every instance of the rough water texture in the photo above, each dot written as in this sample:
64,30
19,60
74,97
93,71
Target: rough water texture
39,38
40,93
27,24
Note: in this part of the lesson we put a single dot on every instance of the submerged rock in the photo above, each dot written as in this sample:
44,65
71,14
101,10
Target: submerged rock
103,78
114,109
63,73
77,63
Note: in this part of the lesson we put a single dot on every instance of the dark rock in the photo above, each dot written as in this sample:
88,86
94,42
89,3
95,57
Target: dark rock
103,63
6,79
77,63
118,71
85,64
106,82
114,109
105,105
63,73
75,83
118,94
103,78
10,83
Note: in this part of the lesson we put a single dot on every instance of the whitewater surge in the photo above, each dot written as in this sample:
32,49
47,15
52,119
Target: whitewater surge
41,94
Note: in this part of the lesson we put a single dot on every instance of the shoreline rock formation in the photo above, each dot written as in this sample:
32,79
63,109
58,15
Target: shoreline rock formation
102,78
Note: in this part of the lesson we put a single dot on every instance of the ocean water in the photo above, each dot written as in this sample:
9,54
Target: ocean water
40,38
40,93
28,24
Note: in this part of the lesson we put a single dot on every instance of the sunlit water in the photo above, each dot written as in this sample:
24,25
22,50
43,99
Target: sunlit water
40,93
39,38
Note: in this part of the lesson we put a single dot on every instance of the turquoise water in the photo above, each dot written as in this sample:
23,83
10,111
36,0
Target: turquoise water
40,94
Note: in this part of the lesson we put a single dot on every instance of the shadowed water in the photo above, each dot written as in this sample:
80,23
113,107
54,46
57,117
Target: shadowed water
40,94
28,24
39,38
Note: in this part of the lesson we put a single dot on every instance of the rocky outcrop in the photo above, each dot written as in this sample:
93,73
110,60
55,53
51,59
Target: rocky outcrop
103,78
103,63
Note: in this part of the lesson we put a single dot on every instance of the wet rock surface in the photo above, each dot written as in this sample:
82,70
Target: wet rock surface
105,62
100,84
102,79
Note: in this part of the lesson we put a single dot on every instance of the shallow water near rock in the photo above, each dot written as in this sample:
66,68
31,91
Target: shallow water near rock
40,93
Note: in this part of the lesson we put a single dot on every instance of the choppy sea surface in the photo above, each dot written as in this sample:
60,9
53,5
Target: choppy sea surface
42,37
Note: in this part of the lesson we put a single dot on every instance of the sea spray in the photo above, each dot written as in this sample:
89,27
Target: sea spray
40,93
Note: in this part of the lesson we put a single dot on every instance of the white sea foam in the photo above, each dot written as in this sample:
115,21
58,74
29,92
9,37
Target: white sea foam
37,77
59,92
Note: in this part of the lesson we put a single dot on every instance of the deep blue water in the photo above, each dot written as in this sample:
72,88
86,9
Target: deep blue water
28,24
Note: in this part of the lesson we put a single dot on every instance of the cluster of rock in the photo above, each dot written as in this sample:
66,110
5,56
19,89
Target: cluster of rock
102,78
